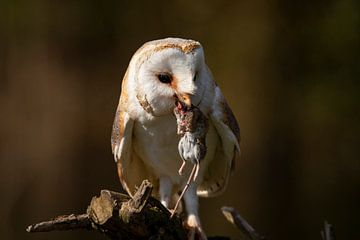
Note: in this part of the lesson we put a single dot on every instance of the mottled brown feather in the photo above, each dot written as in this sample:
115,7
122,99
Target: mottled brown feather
218,173
230,120
130,167
149,48
186,46
118,128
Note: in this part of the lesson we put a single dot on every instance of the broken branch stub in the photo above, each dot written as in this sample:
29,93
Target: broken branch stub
136,218
119,216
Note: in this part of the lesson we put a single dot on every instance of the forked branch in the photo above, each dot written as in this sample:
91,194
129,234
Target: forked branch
120,217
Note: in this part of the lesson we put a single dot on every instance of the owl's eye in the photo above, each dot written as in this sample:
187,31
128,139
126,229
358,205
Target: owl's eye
164,78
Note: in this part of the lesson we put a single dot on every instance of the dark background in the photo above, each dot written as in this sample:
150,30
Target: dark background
289,69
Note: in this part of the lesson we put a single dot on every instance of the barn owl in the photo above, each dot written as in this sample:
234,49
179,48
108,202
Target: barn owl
144,135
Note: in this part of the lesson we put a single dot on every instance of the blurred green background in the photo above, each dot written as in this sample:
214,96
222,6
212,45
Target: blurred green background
289,69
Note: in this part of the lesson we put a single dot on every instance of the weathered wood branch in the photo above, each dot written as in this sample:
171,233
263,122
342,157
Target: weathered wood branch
120,217
328,233
66,222
235,218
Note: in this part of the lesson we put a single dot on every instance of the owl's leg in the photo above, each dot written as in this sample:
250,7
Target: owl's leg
193,221
165,190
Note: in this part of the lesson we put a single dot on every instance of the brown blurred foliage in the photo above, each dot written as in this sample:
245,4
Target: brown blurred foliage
289,69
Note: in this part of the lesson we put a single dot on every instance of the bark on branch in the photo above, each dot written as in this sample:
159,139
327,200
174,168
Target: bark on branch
328,233
120,217
235,218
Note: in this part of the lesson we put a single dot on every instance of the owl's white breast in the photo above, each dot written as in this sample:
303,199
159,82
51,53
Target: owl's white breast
156,143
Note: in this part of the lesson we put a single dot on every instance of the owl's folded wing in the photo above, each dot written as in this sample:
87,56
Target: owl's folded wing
217,174
131,169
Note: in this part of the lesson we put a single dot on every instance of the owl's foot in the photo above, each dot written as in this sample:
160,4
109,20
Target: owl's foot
195,230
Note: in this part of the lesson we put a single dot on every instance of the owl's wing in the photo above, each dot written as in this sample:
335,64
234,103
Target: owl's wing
217,173
131,169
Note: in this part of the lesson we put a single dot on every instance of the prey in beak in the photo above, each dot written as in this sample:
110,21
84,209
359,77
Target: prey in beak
192,126
183,101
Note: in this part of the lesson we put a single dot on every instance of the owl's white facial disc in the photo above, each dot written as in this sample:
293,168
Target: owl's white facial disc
165,73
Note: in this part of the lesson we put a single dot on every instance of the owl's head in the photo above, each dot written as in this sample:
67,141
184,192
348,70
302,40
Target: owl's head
162,71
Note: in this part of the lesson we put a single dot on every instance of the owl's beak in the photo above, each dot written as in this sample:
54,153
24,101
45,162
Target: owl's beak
185,98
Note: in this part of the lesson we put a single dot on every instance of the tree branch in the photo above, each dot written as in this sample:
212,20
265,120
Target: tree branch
120,217
328,233
235,218
66,222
